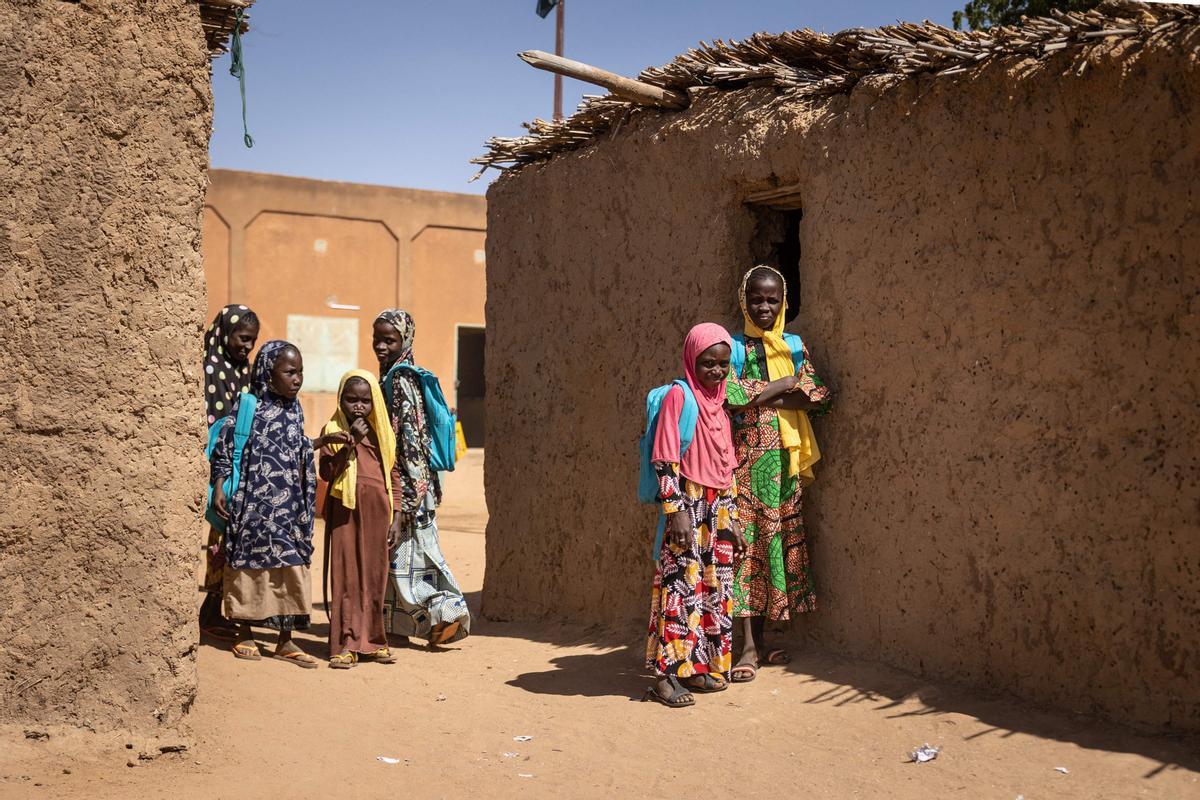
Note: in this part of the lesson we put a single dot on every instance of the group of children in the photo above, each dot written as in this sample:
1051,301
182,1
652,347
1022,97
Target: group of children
382,489
732,449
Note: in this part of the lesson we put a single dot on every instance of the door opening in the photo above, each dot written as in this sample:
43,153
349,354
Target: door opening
777,239
471,384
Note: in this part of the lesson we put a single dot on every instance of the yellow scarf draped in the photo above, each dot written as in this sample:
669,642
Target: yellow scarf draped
795,430
344,485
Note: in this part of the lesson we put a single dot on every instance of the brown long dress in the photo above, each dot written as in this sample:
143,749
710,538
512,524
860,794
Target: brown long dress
358,552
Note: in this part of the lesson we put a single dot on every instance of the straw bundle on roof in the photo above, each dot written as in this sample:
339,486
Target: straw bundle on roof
805,63
218,18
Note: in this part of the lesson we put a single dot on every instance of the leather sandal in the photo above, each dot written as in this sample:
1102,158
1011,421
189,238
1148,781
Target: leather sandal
343,661
680,696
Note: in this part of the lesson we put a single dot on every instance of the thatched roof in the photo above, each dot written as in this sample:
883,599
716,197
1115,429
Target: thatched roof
218,18
807,64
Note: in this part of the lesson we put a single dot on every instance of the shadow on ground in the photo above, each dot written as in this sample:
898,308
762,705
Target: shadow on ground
893,693
616,669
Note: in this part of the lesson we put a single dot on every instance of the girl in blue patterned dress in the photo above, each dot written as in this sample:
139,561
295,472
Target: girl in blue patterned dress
268,536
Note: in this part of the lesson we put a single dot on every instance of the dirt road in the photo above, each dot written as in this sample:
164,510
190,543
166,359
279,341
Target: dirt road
824,727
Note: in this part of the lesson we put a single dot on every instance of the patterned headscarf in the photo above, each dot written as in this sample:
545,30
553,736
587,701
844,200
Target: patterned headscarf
406,407
260,379
402,321
224,378
271,512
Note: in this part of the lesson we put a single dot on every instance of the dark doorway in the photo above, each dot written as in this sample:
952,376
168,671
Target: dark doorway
777,243
471,385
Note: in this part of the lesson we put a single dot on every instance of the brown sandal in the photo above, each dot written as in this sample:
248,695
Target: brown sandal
746,669
445,634
246,649
299,658
343,661
383,655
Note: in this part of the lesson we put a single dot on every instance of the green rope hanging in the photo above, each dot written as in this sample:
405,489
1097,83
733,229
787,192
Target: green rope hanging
237,68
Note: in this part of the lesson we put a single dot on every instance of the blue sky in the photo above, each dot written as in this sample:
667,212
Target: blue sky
403,93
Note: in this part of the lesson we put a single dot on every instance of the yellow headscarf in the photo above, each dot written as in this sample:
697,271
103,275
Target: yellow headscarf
795,430
344,484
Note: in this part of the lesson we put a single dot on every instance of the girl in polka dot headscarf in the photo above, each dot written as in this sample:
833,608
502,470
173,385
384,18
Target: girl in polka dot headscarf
227,347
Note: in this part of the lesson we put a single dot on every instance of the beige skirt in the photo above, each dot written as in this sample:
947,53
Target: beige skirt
256,594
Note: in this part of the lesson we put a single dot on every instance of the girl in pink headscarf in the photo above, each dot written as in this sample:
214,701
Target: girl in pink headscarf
691,627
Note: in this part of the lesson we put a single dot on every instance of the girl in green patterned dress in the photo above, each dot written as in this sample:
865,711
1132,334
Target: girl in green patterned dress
775,453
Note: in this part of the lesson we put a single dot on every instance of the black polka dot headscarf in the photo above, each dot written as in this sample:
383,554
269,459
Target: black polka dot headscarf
223,378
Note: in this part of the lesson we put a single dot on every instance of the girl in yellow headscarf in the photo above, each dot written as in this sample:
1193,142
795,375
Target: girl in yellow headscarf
771,389
362,519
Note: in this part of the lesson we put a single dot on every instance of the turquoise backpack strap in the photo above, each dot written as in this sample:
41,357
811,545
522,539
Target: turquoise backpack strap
737,354
247,403
688,417
241,428
795,344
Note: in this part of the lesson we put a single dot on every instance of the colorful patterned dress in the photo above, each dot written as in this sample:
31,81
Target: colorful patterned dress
691,630
774,579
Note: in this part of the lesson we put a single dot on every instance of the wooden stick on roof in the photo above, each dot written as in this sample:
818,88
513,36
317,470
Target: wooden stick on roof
646,94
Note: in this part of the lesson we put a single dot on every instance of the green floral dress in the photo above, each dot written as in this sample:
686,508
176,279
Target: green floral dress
774,578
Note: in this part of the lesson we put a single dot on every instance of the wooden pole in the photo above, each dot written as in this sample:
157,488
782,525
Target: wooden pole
558,49
646,94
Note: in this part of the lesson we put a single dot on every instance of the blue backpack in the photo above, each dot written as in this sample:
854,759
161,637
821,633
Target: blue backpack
647,478
737,356
241,434
442,430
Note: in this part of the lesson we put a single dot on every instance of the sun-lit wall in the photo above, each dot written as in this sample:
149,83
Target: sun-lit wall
317,260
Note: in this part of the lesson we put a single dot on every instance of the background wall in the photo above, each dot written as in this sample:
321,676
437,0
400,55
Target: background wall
102,172
1001,284
338,253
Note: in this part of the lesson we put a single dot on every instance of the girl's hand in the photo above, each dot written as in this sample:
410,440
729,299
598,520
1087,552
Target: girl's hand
395,531
359,429
341,437
774,390
740,546
219,501
679,525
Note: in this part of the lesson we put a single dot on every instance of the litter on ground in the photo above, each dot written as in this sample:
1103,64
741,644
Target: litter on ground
924,753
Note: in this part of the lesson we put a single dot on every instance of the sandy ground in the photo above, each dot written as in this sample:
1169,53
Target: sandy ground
824,727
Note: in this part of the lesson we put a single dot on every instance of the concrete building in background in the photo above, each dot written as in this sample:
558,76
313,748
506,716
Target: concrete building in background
317,260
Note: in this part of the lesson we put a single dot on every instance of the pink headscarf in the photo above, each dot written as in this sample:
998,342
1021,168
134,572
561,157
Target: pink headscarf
709,460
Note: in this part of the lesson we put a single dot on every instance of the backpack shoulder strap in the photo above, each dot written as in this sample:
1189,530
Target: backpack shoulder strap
796,345
245,419
214,434
737,354
688,416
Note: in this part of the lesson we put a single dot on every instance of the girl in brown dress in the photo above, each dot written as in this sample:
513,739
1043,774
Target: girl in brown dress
362,519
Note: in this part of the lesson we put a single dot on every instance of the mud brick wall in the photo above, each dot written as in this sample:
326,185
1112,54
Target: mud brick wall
1001,282
105,112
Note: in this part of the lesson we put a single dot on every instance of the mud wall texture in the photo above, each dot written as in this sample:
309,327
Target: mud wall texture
1001,284
105,112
